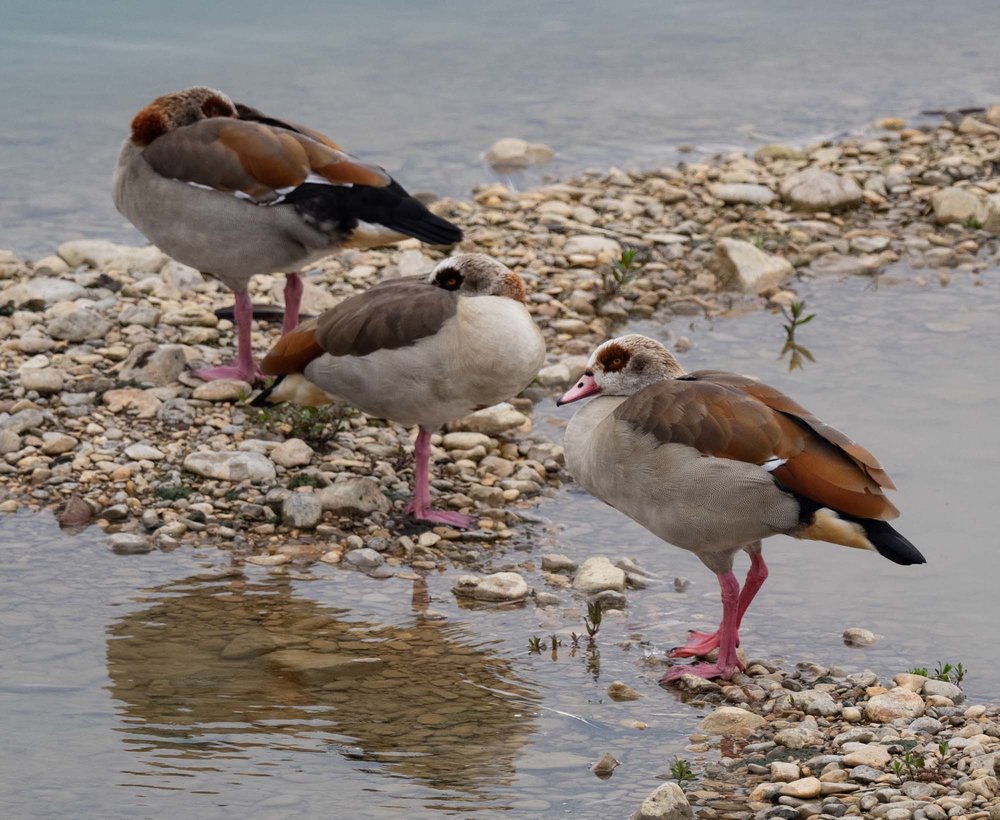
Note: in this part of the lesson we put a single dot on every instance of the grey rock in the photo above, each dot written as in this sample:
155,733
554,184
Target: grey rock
301,510
926,726
144,452
23,420
865,774
107,256
176,412
593,246
816,190
666,802
491,420
856,636
222,390
355,497
741,265
511,153
945,689
154,364
815,703
10,442
958,205
731,721
364,558
43,380
231,466
555,562
500,586
80,325
321,667
138,315
128,543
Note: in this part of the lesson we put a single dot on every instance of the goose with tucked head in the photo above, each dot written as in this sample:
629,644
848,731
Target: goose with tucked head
233,192
420,351
714,462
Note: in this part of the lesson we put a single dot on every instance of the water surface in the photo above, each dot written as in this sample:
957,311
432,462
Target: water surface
425,88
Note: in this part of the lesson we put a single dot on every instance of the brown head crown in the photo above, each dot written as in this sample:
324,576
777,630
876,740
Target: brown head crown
177,109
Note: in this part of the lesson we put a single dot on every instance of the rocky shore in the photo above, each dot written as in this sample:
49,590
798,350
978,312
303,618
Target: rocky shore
819,743
101,420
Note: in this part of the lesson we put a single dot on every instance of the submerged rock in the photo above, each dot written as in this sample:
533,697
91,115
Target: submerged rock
511,153
742,265
598,574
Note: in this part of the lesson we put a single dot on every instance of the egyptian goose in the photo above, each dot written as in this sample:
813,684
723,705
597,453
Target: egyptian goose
713,462
419,350
230,191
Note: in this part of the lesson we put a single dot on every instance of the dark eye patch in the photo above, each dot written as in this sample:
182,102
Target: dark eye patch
613,358
448,279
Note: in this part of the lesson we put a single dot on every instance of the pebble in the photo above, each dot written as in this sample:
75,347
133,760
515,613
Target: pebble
856,636
742,265
231,466
666,802
354,497
144,452
492,421
556,562
512,153
364,558
804,789
301,511
43,380
293,452
598,574
816,190
896,703
222,390
620,691
731,720
500,586
605,766
80,325
127,543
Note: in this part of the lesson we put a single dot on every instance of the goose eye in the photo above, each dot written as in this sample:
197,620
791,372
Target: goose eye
616,361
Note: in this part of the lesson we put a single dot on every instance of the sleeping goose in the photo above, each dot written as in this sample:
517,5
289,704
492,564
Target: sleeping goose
228,190
419,350
713,462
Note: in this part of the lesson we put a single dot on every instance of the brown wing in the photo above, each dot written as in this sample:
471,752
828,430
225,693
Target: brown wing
730,416
257,160
293,351
392,314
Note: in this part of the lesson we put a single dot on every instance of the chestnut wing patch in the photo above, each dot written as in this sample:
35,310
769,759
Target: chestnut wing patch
729,416
391,315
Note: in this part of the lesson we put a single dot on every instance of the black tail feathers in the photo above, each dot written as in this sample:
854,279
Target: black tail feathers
890,543
261,399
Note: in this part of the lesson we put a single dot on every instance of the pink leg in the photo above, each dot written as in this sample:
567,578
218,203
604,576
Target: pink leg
728,663
293,298
420,505
700,644
244,367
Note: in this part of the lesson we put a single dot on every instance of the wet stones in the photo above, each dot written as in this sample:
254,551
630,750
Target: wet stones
620,691
127,543
498,587
598,574
320,667
856,636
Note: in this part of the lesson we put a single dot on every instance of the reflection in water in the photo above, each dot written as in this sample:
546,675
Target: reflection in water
222,669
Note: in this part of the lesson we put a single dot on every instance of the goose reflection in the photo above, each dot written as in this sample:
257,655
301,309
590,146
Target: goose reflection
219,669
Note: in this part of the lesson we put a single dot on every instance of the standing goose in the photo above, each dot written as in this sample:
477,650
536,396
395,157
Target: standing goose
418,351
713,462
228,190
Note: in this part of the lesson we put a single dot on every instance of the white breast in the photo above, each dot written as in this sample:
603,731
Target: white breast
691,500
487,353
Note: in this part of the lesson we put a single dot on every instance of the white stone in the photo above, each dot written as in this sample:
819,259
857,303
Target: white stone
944,689
896,703
667,802
592,245
742,265
190,316
465,441
129,543
54,444
731,720
222,390
958,205
784,772
554,375
107,256
816,190
144,452
865,754
501,586
815,703
598,574
292,453
154,364
230,466
491,421
805,788
736,193
143,403
511,153
354,497
44,289
991,221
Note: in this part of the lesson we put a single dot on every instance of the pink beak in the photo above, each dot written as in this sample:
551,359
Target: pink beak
587,386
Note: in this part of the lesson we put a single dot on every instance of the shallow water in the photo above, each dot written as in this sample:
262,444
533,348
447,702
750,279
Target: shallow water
130,685
425,88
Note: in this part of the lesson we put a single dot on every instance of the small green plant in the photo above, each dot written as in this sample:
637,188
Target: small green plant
943,749
948,673
535,645
316,426
172,493
918,670
305,480
622,271
680,771
913,764
971,223
758,242
795,318
593,620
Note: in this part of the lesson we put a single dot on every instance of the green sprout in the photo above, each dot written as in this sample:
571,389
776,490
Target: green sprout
535,645
680,771
593,620
624,270
919,670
